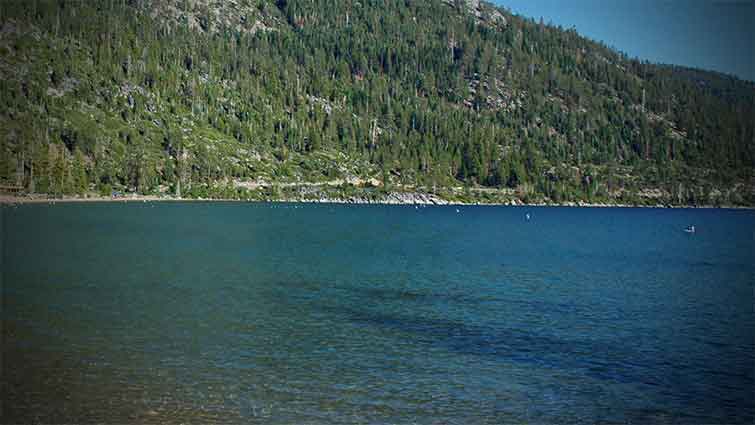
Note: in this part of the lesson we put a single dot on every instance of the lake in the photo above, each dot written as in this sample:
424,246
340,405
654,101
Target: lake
319,313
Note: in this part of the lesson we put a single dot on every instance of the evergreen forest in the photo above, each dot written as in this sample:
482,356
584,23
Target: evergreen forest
305,99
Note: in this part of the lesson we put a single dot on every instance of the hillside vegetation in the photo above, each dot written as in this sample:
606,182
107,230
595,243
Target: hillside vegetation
258,99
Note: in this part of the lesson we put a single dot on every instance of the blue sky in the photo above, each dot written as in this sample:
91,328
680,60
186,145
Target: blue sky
710,34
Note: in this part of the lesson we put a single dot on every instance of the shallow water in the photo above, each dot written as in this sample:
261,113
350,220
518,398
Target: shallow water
283,313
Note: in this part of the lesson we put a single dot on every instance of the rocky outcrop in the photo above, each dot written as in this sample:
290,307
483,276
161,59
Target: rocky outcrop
413,198
212,16
391,198
484,13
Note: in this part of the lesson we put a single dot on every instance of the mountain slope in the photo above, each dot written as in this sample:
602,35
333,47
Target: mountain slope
261,99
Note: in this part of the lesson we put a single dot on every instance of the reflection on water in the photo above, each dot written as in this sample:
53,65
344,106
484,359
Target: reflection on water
209,313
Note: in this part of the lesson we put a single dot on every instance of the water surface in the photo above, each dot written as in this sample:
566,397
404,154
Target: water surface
284,313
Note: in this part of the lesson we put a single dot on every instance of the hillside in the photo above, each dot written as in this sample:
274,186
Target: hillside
259,99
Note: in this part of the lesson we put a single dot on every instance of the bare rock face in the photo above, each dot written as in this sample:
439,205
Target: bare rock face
473,4
483,12
212,16
495,17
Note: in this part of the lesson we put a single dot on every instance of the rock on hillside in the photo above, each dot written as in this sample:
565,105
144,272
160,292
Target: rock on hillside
483,12
211,16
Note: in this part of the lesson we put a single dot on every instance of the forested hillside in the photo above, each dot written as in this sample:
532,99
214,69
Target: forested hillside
259,99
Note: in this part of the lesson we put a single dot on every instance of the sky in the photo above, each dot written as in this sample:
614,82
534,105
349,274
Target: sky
709,34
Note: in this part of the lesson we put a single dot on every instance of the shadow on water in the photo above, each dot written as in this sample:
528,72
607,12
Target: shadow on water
615,359
624,362
505,344
389,295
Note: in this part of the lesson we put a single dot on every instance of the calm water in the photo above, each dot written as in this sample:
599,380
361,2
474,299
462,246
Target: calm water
285,313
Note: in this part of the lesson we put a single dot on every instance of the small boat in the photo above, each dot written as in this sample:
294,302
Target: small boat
527,216
689,229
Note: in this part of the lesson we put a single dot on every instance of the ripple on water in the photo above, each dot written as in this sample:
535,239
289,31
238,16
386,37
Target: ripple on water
239,313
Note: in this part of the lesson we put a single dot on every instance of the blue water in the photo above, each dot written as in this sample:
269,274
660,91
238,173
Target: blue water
284,313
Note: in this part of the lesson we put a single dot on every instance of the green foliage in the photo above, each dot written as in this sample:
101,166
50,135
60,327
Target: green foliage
107,95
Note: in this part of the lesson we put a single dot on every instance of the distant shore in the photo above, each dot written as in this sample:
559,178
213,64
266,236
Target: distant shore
390,199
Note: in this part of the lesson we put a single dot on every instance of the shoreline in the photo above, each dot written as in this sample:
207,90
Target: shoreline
425,200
